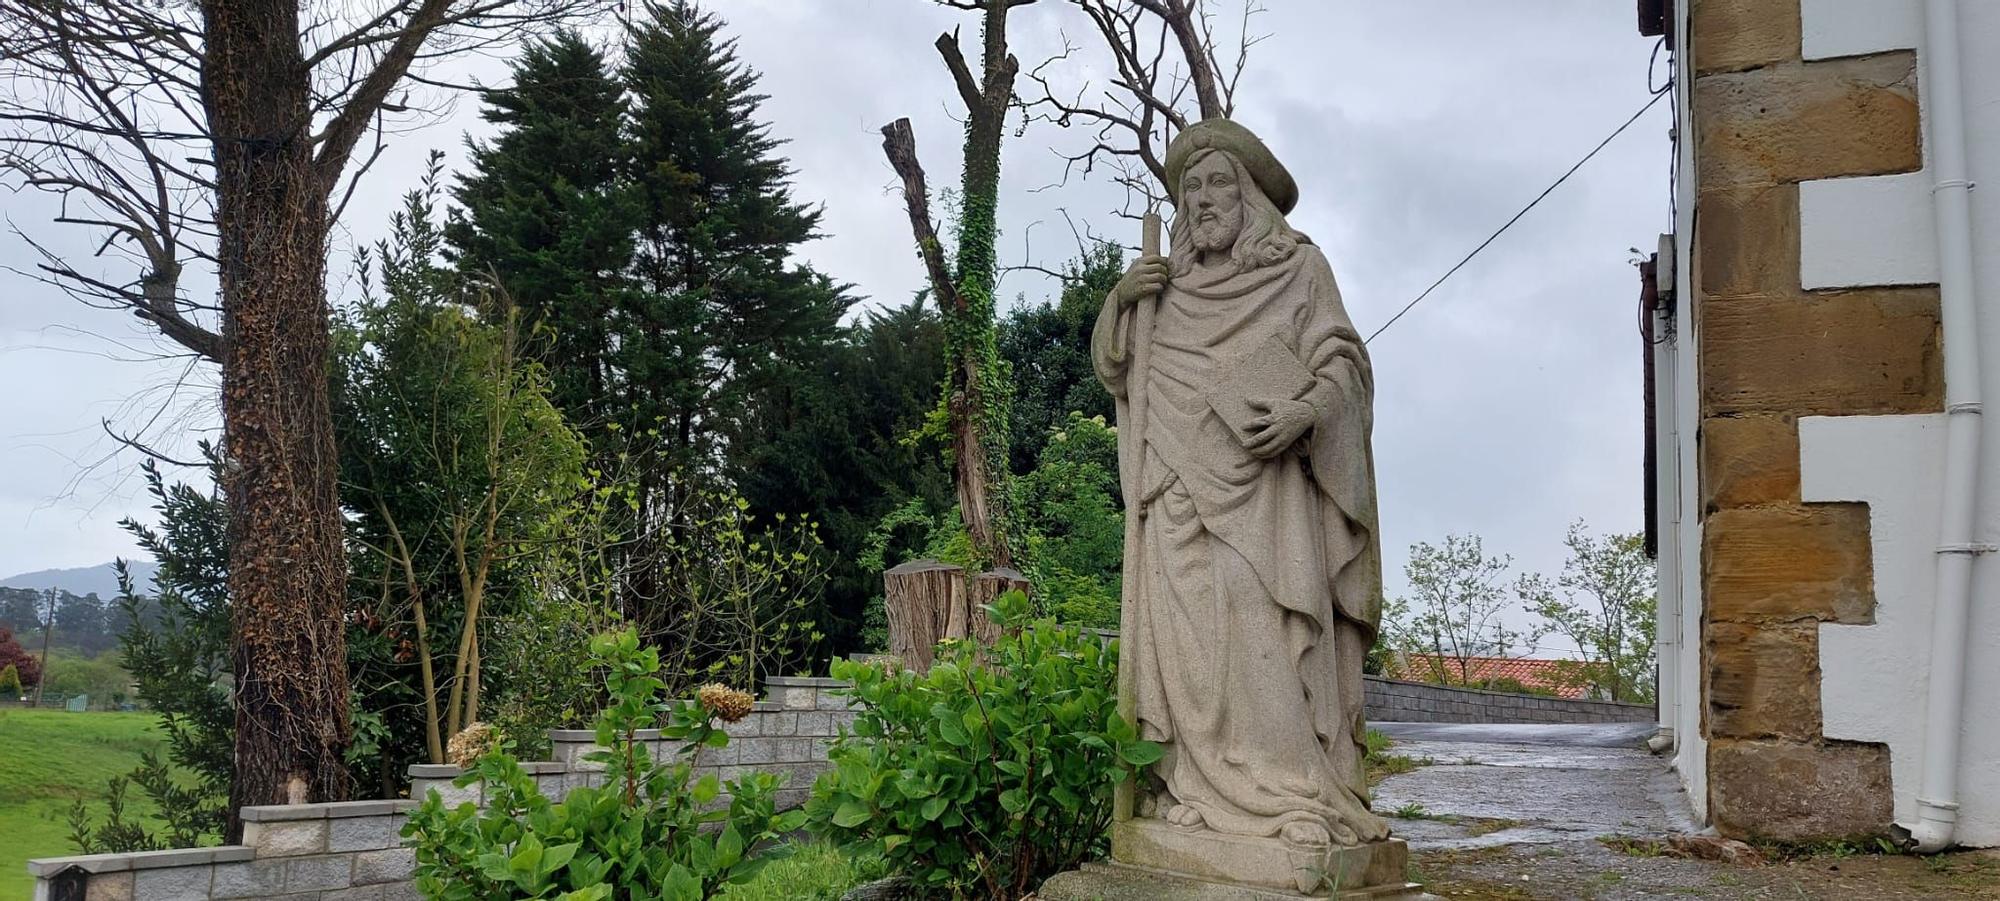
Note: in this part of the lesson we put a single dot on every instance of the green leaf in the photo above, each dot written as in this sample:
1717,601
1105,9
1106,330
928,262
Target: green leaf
851,814
557,856
951,728
528,857
1141,753
706,789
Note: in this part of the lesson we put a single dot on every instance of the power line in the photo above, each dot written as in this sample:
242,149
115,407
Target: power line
1517,216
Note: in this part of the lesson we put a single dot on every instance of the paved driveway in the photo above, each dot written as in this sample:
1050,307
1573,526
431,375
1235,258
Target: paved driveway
1509,813
1492,785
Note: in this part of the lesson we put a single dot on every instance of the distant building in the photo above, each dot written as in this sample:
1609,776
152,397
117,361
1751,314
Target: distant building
1824,327
1555,677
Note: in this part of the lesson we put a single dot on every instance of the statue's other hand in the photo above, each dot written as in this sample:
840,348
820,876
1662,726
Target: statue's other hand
1146,277
1283,422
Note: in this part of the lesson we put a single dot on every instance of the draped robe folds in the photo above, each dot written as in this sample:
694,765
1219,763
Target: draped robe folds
1258,581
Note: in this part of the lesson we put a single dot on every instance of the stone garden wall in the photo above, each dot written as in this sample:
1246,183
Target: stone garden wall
354,851
1389,700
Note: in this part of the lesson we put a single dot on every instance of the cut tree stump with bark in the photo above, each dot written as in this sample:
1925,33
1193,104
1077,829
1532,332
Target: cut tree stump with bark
929,601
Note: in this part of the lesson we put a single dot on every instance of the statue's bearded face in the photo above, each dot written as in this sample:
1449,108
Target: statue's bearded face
1211,193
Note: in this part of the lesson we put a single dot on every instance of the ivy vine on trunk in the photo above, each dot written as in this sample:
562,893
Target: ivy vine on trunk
978,389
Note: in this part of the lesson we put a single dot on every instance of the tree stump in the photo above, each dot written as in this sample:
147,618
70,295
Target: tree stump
987,588
928,601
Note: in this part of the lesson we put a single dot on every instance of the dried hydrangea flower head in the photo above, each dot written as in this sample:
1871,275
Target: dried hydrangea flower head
470,744
723,702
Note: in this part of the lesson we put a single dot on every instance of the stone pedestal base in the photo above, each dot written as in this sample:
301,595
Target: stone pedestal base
1153,861
1116,882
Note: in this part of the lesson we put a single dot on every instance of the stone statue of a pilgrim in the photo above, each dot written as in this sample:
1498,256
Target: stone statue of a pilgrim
1256,588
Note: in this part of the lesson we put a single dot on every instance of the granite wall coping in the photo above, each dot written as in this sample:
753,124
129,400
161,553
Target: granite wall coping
49,867
275,813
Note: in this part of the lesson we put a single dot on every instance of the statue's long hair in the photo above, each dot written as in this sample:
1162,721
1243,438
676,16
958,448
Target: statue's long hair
1266,237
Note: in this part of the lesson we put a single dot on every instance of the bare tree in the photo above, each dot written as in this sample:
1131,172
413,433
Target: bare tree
229,134
977,395
1165,67
1456,610
1605,602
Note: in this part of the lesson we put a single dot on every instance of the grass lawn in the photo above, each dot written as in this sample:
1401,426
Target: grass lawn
49,758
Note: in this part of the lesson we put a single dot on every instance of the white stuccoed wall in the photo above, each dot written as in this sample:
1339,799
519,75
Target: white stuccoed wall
1680,551
1878,231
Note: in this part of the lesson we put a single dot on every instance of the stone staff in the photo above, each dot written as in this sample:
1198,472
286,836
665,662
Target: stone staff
1135,439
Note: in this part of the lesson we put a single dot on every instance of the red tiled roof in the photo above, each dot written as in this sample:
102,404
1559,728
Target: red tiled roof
1533,673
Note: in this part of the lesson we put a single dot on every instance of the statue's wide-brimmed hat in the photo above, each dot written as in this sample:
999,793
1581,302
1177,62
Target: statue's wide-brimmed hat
1223,134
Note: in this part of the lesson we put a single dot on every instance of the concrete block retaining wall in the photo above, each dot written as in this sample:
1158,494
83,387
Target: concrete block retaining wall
354,851
1389,700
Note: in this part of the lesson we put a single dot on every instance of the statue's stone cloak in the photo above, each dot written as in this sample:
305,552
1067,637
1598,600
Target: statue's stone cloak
1259,581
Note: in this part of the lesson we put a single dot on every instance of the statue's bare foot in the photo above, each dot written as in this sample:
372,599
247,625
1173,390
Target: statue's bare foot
1184,816
1366,827
1306,833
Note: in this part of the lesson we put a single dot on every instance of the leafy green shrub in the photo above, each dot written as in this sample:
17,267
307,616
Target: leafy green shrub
1071,525
10,682
653,830
991,772
1512,685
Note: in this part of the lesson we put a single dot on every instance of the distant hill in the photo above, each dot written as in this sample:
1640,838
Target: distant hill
82,580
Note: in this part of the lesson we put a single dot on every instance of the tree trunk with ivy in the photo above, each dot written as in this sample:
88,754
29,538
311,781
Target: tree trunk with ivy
977,394
287,566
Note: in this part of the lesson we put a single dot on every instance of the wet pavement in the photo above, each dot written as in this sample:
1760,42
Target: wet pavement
1511,813
1606,735
1489,785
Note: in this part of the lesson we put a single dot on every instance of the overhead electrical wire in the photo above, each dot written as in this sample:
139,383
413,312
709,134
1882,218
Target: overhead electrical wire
1517,216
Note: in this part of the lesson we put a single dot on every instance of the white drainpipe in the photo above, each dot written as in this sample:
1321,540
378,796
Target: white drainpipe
1937,794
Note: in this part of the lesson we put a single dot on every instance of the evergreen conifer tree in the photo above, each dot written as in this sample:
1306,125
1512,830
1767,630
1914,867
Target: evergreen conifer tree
834,446
722,316
547,210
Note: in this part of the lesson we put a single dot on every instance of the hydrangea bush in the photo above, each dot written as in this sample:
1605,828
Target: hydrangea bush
653,830
991,772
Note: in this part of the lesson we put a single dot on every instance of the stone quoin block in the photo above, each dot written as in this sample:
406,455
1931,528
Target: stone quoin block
191,883
814,724
364,833
390,865
1732,35
1748,240
306,874
1787,564
756,751
1763,680
249,879
1792,791
1796,121
285,838
801,698
357,893
110,887
1749,460
1840,353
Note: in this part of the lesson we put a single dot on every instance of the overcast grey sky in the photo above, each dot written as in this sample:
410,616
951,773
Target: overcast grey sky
1508,402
